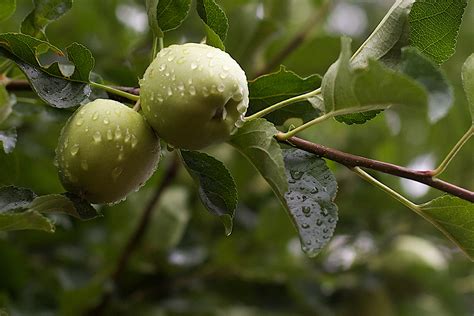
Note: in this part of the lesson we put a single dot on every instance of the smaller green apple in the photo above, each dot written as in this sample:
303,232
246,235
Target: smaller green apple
194,95
105,151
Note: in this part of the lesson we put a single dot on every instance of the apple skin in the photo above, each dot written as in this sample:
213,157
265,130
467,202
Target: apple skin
194,95
106,150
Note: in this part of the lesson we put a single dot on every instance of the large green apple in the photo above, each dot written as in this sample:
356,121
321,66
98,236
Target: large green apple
105,151
194,95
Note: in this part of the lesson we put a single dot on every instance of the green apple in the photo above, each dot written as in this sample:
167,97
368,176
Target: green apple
194,95
105,151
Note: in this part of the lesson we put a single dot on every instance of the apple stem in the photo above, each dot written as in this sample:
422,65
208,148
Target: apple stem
137,106
124,94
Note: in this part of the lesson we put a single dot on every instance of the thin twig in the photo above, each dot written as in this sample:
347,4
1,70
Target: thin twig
299,38
136,236
351,161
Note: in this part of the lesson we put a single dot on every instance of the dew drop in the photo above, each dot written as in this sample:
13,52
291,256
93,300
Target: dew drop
84,165
193,66
315,190
116,172
86,129
242,108
127,135
181,86
109,134
305,226
170,92
324,212
66,142
97,137
106,121
226,68
118,133
74,149
239,123
331,220
223,75
306,209
134,141
296,175
319,222
220,88
209,55
79,122
95,116
192,90
181,60
205,91
170,58
162,67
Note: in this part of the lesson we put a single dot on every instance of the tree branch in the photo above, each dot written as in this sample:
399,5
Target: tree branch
351,161
346,159
297,40
136,236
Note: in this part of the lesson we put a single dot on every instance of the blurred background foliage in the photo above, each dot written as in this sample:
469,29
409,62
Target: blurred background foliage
383,260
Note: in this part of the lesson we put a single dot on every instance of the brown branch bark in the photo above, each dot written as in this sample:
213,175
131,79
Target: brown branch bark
351,161
346,159
136,237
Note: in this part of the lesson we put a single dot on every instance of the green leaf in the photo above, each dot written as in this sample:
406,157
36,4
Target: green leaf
278,86
217,189
374,87
12,198
53,83
215,21
169,221
386,35
256,142
454,218
29,49
312,189
434,27
7,8
428,74
151,9
67,203
45,12
171,13
5,104
25,220
8,140
166,15
57,92
83,60
357,118
468,83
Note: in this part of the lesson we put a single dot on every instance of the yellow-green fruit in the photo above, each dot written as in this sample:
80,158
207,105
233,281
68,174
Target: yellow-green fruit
105,151
194,95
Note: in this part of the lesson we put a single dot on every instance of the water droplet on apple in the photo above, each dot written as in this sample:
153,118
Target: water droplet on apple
74,149
116,172
84,165
97,137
